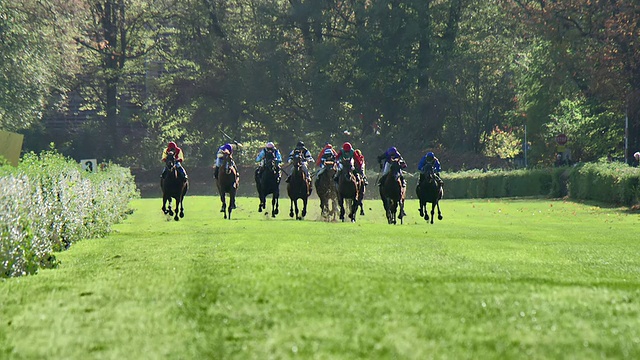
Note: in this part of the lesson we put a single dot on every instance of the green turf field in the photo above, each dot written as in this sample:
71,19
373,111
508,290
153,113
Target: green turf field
496,279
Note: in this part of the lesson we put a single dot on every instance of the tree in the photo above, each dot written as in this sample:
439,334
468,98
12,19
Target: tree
37,58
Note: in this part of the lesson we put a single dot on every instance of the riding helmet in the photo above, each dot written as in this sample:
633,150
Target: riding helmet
392,150
172,145
430,156
270,145
346,146
300,144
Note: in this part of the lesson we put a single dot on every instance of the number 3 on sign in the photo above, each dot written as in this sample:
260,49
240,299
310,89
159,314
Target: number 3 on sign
90,165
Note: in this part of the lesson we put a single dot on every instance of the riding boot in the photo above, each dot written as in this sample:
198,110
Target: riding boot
183,173
404,182
364,179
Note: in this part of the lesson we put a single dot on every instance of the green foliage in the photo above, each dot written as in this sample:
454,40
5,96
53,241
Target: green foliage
50,203
37,59
594,131
503,143
494,279
613,182
607,182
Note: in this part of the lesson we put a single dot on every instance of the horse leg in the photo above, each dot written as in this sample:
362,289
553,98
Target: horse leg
263,203
182,205
274,205
354,209
297,210
439,213
164,205
402,214
176,217
304,208
232,202
223,209
291,208
341,204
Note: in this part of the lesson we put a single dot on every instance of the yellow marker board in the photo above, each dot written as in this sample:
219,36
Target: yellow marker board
10,146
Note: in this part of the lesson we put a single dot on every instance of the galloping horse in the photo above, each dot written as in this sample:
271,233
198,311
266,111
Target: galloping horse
349,190
173,186
429,191
327,191
392,193
299,187
268,182
227,183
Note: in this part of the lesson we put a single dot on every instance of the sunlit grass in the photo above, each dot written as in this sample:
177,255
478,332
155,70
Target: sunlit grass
494,279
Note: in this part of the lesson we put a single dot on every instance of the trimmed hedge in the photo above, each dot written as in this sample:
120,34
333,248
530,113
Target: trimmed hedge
614,183
48,203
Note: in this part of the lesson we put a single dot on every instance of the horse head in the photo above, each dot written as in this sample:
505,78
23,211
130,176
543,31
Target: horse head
227,162
170,161
396,166
347,165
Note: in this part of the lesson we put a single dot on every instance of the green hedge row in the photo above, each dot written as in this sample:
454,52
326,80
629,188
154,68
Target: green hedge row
614,183
48,203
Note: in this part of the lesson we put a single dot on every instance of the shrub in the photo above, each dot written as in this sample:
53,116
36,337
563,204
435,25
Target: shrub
49,203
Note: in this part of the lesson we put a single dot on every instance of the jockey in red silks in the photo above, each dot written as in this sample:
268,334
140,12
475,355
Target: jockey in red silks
358,159
327,153
346,153
178,156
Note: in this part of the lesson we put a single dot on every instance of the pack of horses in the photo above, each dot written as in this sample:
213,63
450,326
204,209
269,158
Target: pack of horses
340,190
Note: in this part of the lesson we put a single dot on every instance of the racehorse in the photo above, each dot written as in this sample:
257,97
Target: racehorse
348,190
327,191
392,192
299,186
429,191
268,182
173,187
228,180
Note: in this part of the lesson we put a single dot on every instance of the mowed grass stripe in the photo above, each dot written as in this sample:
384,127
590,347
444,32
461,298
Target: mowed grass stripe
494,279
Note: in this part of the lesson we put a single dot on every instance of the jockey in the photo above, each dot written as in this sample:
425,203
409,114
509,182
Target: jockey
429,162
303,152
178,155
389,155
346,153
271,150
327,153
358,159
226,148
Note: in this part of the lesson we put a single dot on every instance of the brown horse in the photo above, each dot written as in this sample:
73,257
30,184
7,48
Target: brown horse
228,180
392,193
173,187
429,191
327,191
299,186
348,190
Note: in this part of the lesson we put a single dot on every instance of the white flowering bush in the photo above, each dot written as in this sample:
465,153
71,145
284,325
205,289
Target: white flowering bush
48,202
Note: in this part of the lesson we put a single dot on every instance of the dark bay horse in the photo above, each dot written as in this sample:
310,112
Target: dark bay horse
173,187
268,182
348,190
429,191
392,193
299,186
327,191
227,183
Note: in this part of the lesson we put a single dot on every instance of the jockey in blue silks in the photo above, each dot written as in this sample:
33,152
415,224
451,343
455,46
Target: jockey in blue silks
388,156
221,150
430,162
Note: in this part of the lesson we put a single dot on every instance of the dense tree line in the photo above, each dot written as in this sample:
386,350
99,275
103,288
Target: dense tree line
456,76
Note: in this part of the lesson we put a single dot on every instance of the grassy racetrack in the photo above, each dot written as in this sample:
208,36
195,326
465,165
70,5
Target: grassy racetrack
495,279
